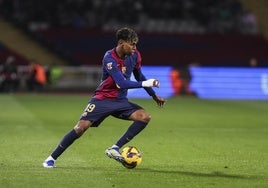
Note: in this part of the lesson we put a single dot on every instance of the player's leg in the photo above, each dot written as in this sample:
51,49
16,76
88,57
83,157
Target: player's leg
70,137
128,111
95,112
66,141
141,118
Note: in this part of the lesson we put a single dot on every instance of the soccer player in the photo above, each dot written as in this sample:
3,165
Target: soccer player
110,98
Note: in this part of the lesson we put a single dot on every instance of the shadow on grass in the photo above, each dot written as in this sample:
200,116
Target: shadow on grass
215,174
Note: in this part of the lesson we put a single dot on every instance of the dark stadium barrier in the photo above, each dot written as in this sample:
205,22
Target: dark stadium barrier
87,47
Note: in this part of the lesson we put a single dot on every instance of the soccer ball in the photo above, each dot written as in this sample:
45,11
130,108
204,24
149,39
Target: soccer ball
132,156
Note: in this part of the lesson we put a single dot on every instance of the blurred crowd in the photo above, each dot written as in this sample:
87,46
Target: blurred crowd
194,16
36,76
167,16
9,79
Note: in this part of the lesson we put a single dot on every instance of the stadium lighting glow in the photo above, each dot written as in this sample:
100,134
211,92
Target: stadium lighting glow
230,83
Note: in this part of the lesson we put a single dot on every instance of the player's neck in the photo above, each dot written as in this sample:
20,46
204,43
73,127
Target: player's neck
119,53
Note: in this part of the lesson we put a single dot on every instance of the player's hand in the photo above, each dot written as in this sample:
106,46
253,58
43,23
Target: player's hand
159,100
151,83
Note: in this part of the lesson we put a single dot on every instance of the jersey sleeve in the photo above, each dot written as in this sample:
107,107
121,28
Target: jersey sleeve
112,69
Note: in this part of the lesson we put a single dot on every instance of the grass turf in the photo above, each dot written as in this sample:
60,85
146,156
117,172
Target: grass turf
189,143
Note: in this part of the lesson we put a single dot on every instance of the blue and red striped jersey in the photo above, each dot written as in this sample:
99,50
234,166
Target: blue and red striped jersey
116,75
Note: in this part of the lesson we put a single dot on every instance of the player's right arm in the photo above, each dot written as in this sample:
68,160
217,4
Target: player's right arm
122,82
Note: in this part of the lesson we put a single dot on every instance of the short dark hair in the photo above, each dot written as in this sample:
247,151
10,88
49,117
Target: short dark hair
126,34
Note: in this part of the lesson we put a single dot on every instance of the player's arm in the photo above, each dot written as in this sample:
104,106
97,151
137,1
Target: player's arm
122,83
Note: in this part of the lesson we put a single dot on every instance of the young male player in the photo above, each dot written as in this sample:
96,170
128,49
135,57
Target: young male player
110,98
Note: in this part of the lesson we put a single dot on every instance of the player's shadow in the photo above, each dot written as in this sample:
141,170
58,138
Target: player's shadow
215,174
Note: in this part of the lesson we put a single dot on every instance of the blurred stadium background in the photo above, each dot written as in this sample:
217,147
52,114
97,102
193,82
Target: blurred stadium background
208,48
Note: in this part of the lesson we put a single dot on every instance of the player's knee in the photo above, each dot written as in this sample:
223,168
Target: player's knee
144,118
141,115
147,118
79,130
81,127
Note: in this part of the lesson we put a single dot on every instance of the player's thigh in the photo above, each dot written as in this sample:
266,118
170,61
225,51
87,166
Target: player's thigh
96,111
124,109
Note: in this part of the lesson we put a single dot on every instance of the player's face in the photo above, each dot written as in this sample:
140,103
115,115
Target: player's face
130,47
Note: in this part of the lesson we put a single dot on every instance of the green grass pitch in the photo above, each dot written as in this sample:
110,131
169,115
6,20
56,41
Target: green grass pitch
190,143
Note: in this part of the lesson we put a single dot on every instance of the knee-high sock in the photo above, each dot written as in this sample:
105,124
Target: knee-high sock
67,140
132,131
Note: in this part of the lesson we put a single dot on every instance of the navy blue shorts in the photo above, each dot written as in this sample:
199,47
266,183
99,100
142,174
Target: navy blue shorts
97,110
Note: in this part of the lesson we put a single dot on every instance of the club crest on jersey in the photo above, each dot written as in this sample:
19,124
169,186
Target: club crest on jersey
109,66
124,69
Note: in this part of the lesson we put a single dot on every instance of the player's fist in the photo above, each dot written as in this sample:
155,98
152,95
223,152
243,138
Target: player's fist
151,83
156,83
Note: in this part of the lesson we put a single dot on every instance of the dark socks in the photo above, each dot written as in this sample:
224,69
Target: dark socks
132,131
67,140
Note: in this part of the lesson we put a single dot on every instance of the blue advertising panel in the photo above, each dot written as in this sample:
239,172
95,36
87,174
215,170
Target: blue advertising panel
162,73
230,83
